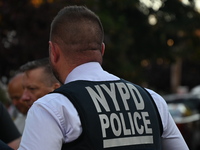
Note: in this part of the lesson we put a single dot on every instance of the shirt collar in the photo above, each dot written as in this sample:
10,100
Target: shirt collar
91,71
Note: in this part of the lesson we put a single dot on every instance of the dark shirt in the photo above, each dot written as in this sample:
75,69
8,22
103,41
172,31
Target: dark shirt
8,130
4,146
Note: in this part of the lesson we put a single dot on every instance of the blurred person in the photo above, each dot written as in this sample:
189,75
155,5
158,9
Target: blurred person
38,80
4,146
15,91
94,109
9,133
12,110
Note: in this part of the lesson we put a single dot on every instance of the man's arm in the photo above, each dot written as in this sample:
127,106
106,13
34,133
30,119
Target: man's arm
171,137
41,131
51,121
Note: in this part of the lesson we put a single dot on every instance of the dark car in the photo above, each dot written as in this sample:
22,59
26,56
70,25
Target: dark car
185,110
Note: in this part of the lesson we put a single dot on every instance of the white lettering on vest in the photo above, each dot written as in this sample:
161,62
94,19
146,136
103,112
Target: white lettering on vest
146,122
140,104
125,94
118,126
98,98
111,93
136,117
104,123
116,129
136,123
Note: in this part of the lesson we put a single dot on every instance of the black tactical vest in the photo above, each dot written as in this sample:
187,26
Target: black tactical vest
115,115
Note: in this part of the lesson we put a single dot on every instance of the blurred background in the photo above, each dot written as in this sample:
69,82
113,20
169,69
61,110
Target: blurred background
153,43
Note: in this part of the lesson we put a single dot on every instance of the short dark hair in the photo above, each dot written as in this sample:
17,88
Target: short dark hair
77,27
44,62
40,63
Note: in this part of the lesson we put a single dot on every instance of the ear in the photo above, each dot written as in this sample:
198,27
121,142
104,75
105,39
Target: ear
56,85
102,48
54,52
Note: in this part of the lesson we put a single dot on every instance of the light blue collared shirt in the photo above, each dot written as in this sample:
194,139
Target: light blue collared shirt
52,120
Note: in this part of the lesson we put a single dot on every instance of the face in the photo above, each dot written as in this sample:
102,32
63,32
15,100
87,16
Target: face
15,91
35,85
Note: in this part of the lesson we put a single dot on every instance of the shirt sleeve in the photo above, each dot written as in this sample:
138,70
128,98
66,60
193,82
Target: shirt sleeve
8,130
49,124
171,137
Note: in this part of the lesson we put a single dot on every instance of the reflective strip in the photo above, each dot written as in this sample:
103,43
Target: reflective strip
116,142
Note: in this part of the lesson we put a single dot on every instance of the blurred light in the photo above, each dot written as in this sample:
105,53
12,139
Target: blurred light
197,5
154,4
197,32
170,42
160,61
10,39
186,2
144,63
169,17
157,4
4,79
36,3
181,33
152,20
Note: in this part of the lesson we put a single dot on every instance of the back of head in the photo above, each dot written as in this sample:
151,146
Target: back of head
76,29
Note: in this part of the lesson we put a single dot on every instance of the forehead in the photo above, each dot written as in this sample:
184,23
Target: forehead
34,75
16,82
15,90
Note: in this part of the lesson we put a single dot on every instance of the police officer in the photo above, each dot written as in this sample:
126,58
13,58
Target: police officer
94,109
